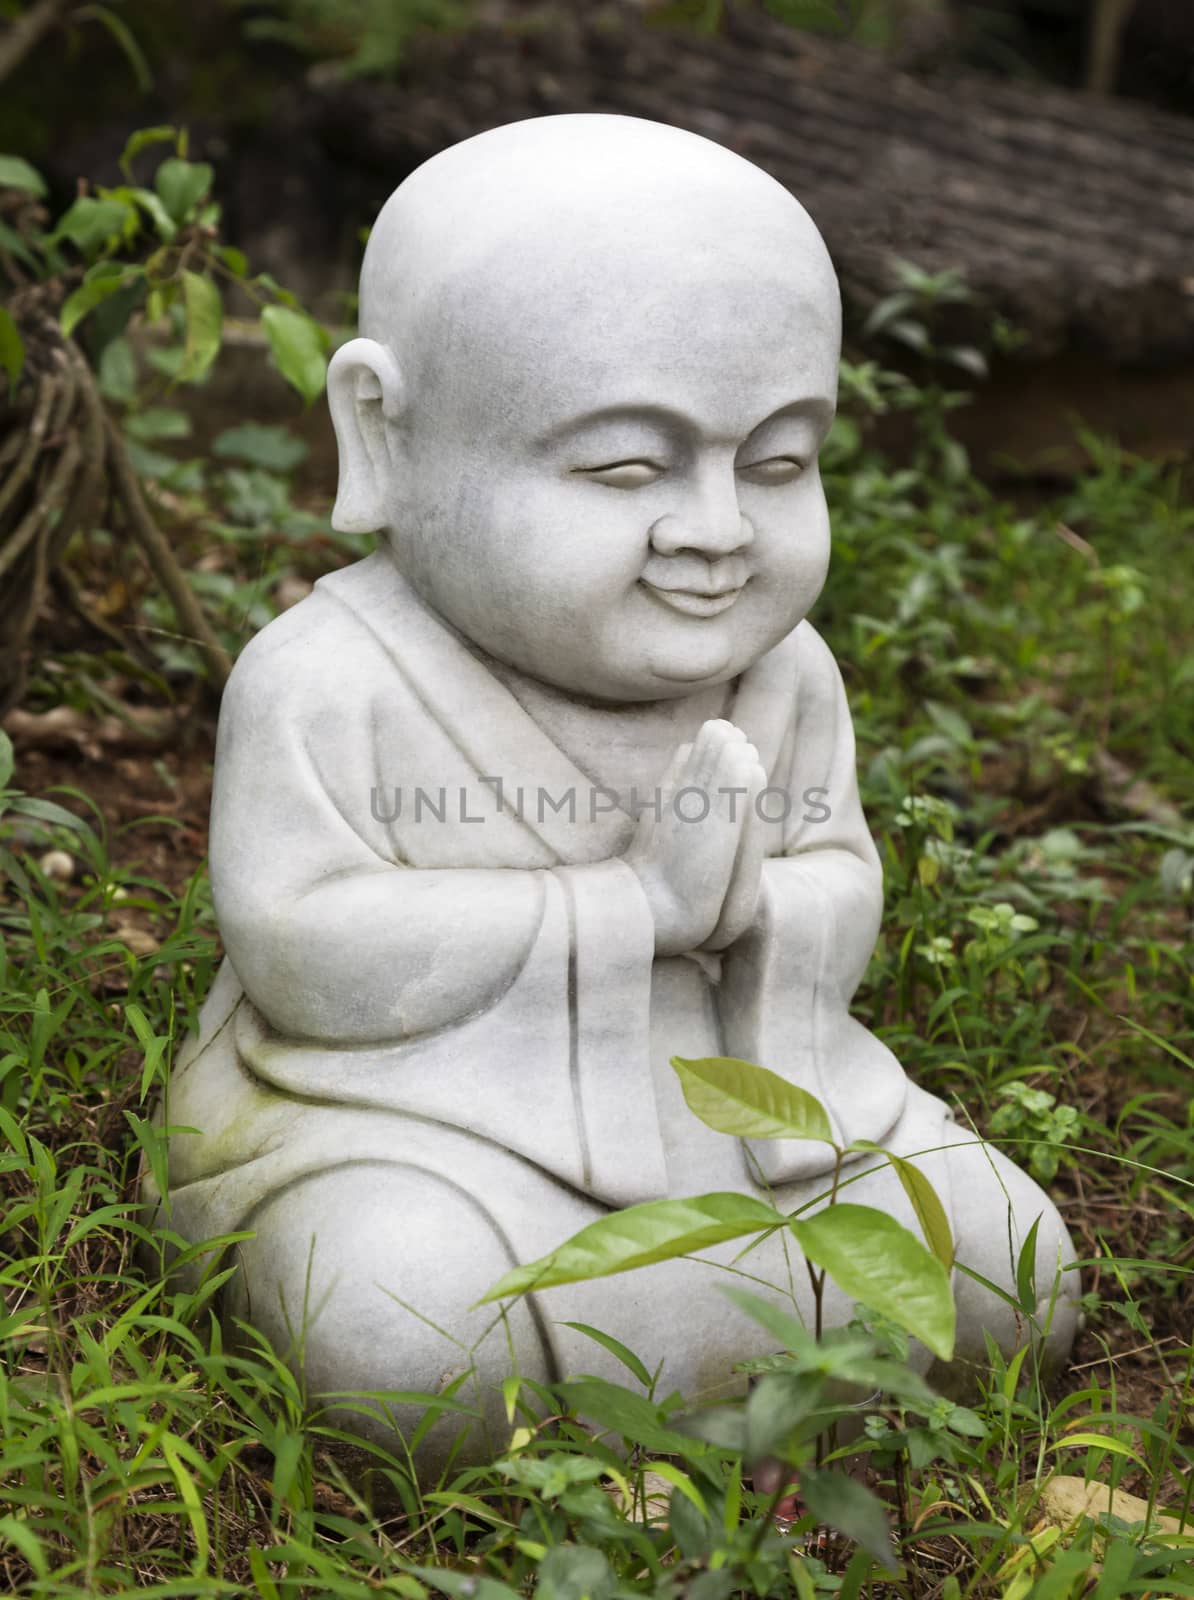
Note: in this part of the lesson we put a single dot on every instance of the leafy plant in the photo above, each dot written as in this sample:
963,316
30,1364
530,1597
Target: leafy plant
129,254
359,36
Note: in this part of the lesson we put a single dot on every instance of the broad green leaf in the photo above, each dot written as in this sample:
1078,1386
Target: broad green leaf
951,723
98,286
776,1406
723,1426
657,1230
621,1411
162,220
7,759
12,358
930,1213
574,1572
466,1585
118,371
16,173
787,1330
851,1508
205,324
158,422
551,1475
181,185
875,1259
233,259
261,444
299,347
90,223
750,1102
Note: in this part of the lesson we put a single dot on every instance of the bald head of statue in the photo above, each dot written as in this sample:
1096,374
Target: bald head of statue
598,357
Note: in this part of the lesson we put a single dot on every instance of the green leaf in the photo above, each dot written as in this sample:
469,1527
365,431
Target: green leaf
299,347
262,445
657,1230
100,283
12,354
162,220
750,1102
787,1331
158,422
7,759
17,1532
951,723
141,140
118,371
776,1406
16,246
851,1508
16,173
89,223
621,1411
876,1260
125,39
205,325
49,811
1098,1441
1026,1271
616,1348
574,1572
930,1213
181,185
723,1426
233,259
467,1585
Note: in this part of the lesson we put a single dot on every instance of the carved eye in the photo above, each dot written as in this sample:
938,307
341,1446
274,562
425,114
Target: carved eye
624,474
775,470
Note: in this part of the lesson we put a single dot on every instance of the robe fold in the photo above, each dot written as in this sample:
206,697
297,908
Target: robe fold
419,943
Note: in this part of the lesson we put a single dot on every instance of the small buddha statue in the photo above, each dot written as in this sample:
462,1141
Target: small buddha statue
556,784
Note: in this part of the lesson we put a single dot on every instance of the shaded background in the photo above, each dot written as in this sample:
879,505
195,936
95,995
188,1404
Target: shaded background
1040,149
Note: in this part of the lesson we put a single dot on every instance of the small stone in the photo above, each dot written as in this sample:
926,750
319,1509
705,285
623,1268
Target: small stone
58,865
138,940
1065,1500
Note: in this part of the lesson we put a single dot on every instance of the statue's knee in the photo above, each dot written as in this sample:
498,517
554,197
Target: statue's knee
352,1273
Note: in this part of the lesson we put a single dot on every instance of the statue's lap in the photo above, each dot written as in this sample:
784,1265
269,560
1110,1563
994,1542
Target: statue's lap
360,1266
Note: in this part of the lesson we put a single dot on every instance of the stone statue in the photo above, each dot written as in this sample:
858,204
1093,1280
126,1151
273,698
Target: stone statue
556,784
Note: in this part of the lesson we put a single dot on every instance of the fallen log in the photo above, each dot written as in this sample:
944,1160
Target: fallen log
1069,215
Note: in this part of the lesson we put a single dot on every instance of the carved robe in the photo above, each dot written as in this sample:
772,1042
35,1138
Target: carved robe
469,979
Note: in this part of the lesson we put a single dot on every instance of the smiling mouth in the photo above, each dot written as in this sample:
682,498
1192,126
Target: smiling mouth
690,603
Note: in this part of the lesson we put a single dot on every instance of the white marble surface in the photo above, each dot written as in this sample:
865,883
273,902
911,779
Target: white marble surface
557,784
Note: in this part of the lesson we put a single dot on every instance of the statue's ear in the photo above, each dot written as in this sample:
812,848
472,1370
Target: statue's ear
365,395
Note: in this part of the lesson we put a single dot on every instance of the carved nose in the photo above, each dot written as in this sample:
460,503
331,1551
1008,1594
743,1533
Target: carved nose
709,536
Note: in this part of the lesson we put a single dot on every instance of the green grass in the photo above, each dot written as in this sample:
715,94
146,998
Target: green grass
1008,667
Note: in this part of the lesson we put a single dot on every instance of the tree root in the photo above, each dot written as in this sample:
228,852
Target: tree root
63,463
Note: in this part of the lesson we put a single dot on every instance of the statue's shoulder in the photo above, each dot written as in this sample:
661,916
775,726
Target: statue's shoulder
815,663
315,651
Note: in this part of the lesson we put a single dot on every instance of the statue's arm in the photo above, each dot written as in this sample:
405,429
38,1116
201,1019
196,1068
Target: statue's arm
330,940
827,880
